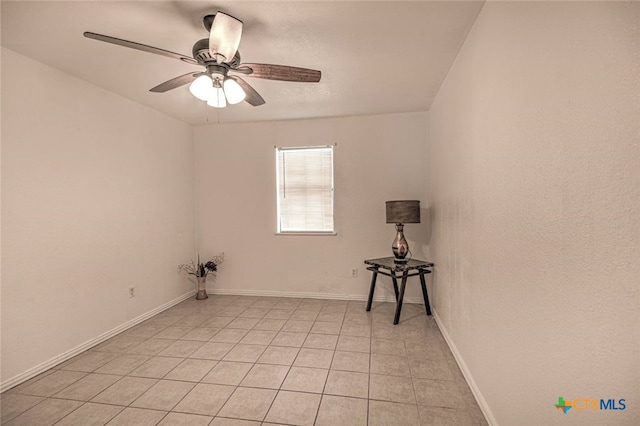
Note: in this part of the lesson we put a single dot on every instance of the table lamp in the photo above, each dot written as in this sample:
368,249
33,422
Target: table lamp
401,212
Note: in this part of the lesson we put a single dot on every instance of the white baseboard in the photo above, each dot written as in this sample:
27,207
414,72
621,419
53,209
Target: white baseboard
482,403
41,368
303,295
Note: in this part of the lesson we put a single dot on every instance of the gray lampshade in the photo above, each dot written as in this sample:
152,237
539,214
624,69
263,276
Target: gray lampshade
405,211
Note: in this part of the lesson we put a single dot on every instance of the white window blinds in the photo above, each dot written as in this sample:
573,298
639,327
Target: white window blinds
305,189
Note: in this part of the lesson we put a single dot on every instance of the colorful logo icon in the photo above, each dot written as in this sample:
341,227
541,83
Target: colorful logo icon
563,405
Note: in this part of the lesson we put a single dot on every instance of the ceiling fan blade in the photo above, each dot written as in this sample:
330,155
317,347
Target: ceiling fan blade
280,72
176,82
253,97
142,47
225,35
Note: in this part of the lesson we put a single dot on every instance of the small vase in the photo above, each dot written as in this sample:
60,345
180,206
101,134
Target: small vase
202,288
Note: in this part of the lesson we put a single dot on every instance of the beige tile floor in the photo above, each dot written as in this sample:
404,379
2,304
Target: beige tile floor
233,360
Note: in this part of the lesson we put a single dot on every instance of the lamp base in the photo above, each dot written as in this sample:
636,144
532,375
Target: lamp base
400,247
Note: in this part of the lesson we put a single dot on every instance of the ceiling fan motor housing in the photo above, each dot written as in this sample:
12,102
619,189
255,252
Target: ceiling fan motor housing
217,72
201,54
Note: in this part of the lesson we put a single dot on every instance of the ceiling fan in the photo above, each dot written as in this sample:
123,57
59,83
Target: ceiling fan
219,56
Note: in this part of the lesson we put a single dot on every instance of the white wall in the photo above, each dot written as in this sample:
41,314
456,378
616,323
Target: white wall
534,186
97,196
378,158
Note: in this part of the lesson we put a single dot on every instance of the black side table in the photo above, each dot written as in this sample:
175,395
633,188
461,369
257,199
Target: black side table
387,266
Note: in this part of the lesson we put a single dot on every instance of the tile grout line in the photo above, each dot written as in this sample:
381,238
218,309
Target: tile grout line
350,318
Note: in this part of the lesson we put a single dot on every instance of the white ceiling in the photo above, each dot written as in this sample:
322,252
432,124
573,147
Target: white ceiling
375,56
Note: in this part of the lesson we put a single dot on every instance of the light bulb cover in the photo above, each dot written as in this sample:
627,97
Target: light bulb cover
233,91
224,37
217,98
202,87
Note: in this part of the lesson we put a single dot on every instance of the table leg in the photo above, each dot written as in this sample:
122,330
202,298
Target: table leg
425,295
395,285
400,297
373,287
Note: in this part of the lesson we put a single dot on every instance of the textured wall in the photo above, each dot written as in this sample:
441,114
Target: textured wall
378,158
97,196
534,186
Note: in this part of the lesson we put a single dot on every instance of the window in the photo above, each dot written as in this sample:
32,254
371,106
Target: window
305,190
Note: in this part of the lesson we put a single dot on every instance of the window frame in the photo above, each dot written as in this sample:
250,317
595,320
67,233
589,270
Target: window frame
279,230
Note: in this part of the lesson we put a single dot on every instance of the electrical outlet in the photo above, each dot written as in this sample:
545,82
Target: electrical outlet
354,272
132,291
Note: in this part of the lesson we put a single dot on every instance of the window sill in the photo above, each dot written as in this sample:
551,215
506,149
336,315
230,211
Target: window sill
302,233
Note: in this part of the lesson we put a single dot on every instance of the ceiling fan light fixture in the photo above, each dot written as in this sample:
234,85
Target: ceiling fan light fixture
202,87
233,91
217,98
218,55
